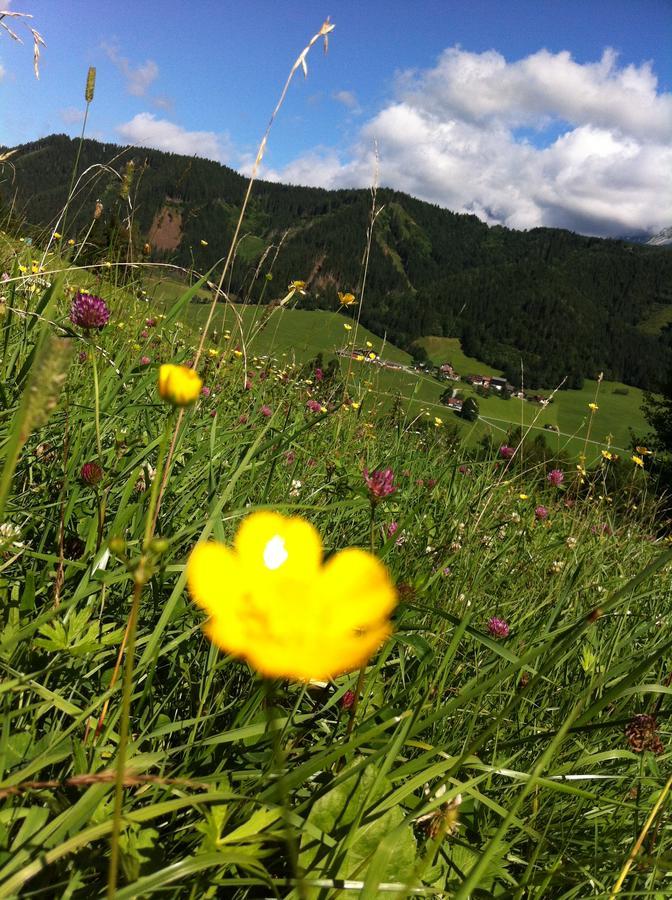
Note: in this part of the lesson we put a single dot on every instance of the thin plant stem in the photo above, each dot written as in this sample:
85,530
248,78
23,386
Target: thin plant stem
75,166
640,840
300,63
355,703
99,444
279,761
123,741
141,575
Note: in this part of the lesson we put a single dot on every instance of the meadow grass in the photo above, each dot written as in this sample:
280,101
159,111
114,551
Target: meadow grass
301,334
481,759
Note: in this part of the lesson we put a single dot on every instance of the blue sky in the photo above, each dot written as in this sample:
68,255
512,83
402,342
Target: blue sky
467,108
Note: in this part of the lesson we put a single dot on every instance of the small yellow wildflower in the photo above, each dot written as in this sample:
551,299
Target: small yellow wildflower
593,406
22,269
438,421
607,454
179,385
372,355
638,461
57,236
71,242
204,243
297,286
237,352
523,496
273,602
346,299
213,353
359,357
369,344
643,451
355,405
347,327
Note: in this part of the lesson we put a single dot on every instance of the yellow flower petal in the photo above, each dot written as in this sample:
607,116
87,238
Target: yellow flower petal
288,546
211,570
178,385
273,603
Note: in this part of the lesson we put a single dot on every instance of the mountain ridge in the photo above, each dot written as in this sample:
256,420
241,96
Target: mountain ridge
561,305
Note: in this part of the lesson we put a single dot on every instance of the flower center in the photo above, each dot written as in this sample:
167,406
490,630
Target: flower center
275,553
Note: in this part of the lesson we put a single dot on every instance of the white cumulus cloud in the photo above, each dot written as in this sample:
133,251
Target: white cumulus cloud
544,140
145,130
70,115
137,78
347,99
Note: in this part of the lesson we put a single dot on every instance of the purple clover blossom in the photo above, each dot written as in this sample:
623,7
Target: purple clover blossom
391,529
89,312
541,512
91,473
506,452
314,406
380,483
555,477
498,628
347,700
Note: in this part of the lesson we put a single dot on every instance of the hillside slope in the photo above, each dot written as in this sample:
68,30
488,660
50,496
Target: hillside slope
561,304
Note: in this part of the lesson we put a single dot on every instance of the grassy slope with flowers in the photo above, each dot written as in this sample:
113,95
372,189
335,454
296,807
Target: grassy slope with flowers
481,758
301,334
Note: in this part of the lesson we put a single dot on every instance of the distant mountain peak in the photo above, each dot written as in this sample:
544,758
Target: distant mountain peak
662,238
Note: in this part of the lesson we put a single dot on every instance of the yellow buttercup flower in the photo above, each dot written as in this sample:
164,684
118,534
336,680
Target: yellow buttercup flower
643,451
179,385
369,344
203,243
347,327
438,421
593,406
607,454
346,299
638,461
299,286
273,602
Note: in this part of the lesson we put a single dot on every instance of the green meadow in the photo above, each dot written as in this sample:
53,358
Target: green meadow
466,698
301,334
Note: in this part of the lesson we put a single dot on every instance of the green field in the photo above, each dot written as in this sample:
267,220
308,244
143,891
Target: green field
300,334
495,735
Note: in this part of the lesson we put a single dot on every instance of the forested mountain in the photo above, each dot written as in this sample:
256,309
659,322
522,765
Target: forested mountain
563,304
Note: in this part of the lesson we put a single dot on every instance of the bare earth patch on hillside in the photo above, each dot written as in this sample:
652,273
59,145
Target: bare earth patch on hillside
166,230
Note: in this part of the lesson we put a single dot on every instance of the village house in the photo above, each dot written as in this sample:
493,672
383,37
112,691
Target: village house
454,403
478,380
447,373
